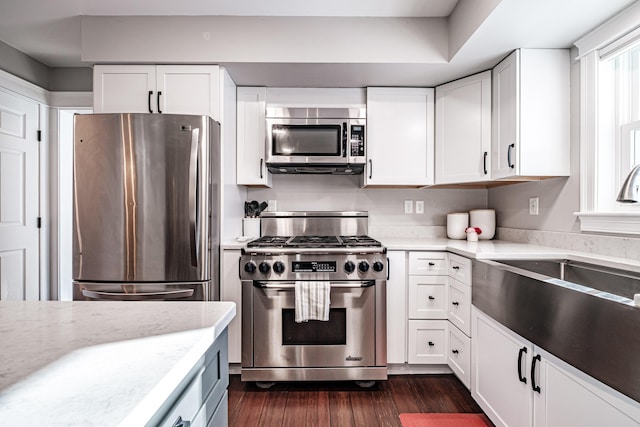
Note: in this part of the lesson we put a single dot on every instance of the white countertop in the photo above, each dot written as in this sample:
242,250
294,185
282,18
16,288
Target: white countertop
99,363
498,249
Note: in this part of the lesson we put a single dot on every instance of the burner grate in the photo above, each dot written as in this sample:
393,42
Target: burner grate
313,242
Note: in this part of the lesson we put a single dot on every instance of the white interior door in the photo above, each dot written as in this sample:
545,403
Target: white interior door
19,194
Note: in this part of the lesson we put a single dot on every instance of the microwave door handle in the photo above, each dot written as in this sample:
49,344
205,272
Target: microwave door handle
345,133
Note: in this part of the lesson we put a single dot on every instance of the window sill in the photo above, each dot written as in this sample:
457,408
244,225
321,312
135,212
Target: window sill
610,222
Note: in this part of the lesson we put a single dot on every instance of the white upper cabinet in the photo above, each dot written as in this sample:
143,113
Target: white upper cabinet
251,137
463,130
176,89
400,137
531,115
124,89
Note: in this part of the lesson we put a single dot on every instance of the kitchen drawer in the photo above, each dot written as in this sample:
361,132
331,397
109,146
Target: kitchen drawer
460,268
209,382
460,355
220,417
460,305
428,341
428,263
428,297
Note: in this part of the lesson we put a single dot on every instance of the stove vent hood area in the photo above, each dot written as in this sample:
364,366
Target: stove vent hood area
328,141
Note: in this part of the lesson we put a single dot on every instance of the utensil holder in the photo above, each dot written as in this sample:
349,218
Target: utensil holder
251,227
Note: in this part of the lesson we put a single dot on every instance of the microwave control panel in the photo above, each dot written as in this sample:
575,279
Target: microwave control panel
356,140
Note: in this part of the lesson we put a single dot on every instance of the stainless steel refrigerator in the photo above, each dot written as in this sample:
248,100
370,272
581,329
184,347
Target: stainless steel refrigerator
146,207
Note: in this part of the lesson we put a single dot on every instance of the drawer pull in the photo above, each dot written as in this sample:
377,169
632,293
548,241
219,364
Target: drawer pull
455,351
431,297
455,267
431,264
180,423
455,303
431,344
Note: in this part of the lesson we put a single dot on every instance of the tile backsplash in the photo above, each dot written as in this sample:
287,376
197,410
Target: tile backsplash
614,246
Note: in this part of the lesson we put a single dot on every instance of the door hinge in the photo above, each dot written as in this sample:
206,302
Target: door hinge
39,135
39,222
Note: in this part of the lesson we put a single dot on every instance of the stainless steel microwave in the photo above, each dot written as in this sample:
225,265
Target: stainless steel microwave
316,140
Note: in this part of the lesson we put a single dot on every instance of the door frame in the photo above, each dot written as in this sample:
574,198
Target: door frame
51,104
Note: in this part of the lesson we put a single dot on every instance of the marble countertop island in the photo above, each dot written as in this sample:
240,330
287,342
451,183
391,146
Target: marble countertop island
99,363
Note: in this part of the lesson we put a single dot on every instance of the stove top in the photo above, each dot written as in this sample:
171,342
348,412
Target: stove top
314,242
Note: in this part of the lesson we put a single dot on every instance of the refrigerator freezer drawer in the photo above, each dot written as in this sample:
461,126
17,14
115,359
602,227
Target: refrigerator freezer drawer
87,291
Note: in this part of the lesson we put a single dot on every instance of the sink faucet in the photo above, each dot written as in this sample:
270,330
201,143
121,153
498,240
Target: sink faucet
629,192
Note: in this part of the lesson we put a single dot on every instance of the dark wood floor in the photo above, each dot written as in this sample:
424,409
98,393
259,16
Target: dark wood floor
344,403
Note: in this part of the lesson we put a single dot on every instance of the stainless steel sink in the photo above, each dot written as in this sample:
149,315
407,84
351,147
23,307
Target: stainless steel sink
582,313
618,282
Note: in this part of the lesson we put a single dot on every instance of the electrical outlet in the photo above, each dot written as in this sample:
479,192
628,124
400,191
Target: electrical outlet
408,206
534,203
419,206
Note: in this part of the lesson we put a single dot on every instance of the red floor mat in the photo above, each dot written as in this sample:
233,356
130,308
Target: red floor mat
444,420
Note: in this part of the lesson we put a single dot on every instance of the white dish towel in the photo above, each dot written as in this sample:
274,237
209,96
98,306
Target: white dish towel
312,300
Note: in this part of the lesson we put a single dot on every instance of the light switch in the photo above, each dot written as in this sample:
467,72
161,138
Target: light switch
419,206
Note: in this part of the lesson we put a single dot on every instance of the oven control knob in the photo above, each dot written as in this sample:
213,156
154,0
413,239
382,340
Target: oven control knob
349,267
363,266
264,267
378,266
278,267
250,267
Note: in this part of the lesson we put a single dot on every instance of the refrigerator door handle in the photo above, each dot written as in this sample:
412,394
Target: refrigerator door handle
193,197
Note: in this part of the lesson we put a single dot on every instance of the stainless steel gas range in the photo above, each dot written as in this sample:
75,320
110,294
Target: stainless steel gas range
327,247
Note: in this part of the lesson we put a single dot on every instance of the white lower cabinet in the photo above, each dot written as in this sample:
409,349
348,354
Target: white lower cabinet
203,401
460,305
231,290
428,297
459,355
428,341
518,384
396,308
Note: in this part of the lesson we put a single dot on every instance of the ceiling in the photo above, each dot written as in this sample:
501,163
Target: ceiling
50,31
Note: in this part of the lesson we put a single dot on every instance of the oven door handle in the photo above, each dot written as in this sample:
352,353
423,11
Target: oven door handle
292,285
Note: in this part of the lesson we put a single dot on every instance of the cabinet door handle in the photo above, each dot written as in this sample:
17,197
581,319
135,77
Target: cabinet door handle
159,93
484,162
522,351
534,387
455,351
370,168
432,297
431,344
388,267
455,267
455,303
509,163
261,163
149,101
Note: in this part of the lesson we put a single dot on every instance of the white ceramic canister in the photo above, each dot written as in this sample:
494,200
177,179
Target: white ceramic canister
485,220
457,223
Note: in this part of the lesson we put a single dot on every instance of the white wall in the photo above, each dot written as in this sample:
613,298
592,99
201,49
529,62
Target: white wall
559,197
219,39
385,206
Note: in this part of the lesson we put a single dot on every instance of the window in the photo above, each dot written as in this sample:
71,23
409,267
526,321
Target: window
619,121
609,122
